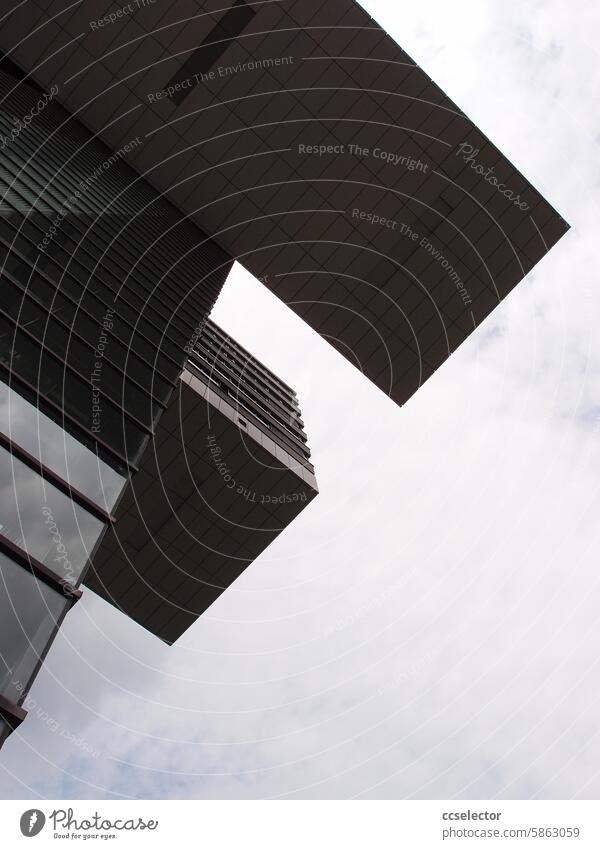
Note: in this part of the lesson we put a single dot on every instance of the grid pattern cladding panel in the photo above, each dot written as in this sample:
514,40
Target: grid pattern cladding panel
394,243
104,283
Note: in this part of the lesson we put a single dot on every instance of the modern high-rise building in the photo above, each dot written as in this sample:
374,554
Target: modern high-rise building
144,148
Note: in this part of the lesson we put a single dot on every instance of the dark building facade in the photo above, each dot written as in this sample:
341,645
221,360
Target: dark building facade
227,471
317,152
104,287
103,279
119,404
143,151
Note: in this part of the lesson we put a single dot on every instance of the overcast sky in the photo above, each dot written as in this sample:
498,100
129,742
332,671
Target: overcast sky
429,626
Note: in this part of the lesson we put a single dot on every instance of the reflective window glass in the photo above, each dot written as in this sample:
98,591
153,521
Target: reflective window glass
30,612
43,521
53,446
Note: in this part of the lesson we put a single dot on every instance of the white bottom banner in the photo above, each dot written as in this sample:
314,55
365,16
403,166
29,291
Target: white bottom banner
303,824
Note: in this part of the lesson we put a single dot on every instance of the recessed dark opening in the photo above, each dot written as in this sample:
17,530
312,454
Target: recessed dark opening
231,25
7,65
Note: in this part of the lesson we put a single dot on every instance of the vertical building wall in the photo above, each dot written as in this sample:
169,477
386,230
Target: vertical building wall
328,162
103,281
104,288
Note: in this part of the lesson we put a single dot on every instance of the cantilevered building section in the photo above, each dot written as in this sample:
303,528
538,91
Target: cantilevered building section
104,282
227,471
313,149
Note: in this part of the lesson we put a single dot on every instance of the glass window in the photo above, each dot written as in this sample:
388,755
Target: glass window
53,446
43,521
30,613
